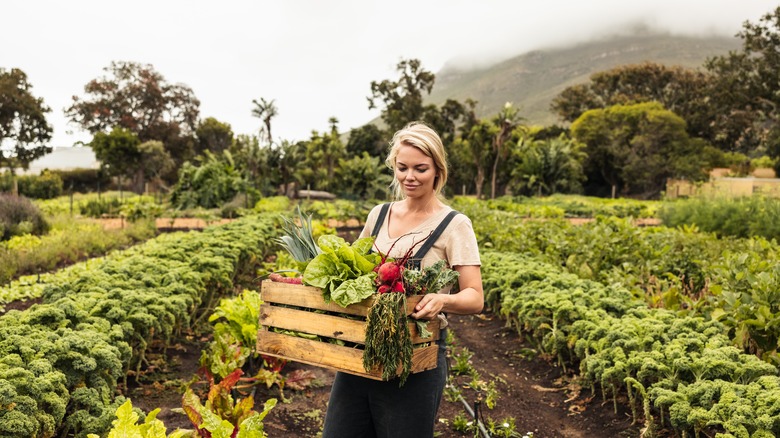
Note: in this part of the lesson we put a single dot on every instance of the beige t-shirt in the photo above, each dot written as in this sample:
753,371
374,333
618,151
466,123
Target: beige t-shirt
457,244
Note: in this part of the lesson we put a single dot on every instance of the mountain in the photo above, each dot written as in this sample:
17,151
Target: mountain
531,80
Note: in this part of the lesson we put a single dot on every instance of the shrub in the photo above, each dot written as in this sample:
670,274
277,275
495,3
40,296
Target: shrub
20,216
273,204
47,185
108,207
739,217
84,180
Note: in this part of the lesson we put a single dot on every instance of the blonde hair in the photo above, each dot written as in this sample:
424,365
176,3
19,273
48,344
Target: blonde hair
424,138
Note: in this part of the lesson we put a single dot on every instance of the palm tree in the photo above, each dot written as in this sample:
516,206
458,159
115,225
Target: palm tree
550,166
506,121
265,111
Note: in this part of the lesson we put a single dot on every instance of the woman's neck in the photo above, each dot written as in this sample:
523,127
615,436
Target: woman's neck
422,206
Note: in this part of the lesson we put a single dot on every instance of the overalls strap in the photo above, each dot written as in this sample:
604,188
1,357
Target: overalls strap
414,262
380,219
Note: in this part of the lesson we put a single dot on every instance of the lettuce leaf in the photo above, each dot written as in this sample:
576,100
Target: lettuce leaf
354,290
341,262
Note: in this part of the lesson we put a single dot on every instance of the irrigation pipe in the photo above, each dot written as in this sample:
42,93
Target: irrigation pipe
473,415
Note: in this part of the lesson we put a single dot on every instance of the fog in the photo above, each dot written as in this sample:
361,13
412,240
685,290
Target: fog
315,59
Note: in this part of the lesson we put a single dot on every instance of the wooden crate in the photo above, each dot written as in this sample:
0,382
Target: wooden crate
312,315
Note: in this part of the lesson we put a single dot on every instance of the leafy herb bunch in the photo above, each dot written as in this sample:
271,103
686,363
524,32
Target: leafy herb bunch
388,339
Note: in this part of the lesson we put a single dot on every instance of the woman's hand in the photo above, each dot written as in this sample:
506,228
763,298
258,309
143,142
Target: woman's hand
430,306
468,301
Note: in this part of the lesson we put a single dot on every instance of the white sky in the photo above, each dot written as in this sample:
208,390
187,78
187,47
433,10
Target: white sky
315,58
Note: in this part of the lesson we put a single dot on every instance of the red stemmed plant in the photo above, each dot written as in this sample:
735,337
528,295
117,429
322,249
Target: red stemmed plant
390,272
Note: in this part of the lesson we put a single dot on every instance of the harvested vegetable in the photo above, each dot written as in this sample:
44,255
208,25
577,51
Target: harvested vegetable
388,341
282,279
341,263
298,239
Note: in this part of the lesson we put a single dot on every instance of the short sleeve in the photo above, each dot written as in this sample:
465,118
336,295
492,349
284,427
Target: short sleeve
461,245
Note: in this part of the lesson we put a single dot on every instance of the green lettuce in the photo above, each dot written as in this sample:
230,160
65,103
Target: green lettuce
341,262
354,290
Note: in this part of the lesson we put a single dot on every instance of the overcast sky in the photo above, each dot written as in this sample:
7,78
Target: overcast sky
315,58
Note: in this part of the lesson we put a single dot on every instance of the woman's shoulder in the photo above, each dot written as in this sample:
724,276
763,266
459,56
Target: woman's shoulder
376,209
373,214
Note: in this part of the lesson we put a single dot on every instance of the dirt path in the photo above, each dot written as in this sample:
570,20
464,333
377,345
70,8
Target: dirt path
534,392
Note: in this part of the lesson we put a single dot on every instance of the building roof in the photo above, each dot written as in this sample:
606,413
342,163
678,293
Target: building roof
65,158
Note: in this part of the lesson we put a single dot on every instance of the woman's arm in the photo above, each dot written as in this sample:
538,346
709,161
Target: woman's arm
468,300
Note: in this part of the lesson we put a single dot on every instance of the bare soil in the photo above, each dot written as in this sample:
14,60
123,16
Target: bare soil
538,395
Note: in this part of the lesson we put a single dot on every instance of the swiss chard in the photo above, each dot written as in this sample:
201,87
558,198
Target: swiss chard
222,416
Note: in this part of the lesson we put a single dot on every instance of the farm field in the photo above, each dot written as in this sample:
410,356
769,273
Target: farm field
603,326
535,393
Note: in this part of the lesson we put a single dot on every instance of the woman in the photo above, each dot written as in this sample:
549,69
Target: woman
361,407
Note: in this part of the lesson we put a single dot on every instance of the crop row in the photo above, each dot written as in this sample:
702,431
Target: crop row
735,281
683,371
61,360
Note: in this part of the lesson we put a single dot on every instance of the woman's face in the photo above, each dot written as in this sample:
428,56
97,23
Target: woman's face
414,171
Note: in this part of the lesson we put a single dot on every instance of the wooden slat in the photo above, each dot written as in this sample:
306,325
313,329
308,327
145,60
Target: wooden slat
349,360
346,329
313,323
307,318
311,297
306,296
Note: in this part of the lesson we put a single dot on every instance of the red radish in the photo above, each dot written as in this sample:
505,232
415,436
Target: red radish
390,276
282,279
389,272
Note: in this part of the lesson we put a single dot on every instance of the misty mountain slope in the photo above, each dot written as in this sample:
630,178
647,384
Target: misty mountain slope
531,80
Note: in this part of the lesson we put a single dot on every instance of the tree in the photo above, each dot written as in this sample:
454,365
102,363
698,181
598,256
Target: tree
118,152
265,111
322,157
23,126
506,121
633,149
155,161
137,98
744,94
402,99
363,176
213,135
681,90
210,185
475,148
548,166
446,119
367,138
292,166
